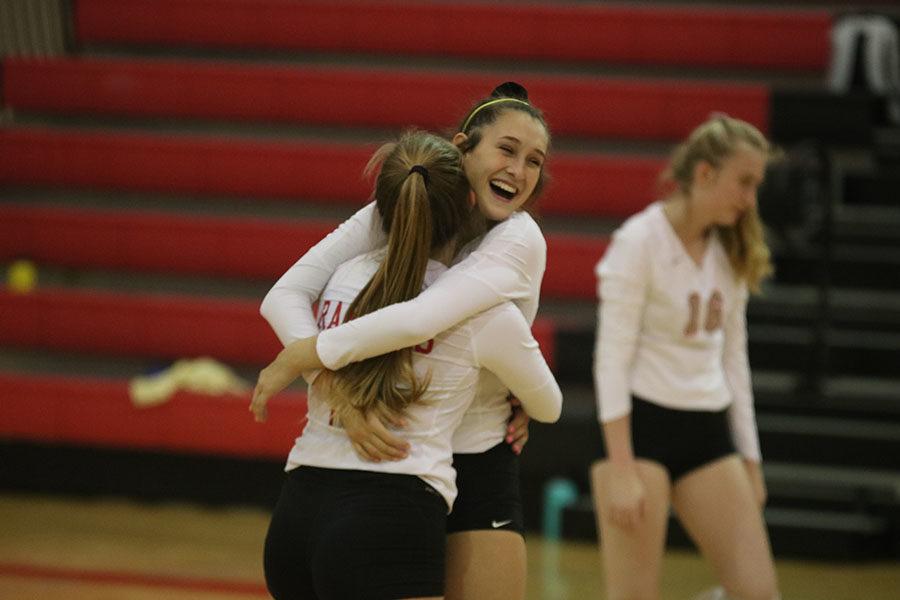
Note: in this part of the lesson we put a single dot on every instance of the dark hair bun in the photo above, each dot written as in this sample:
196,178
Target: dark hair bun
510,89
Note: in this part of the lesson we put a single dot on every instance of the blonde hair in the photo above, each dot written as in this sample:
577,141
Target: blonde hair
713,142
422,196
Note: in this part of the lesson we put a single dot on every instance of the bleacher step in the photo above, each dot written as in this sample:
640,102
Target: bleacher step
794,39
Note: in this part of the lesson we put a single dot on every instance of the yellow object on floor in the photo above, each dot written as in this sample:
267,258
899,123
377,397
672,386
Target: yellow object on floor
200,375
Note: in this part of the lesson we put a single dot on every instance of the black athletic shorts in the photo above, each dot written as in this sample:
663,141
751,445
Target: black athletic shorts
342,534
680,440
489,496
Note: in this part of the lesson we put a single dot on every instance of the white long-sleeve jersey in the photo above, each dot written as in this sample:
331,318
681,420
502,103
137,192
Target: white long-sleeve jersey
497,340
506,264
671,331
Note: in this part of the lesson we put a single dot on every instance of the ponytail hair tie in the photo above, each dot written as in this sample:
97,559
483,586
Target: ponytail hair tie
420,170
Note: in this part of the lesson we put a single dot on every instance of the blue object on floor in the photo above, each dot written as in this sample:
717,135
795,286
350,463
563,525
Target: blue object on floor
558,494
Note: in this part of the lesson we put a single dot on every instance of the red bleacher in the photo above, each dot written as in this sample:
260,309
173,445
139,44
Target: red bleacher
160,326
66,409
157,326
223,246
580,106
299,84
561,31
98,412
155,241
584,183
183,164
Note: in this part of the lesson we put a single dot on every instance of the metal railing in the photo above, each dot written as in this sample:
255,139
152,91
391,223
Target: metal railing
34,27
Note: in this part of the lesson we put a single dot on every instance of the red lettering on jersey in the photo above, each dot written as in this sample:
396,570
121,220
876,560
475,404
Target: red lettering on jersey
425,347
694,319
324,310
714,311
336,317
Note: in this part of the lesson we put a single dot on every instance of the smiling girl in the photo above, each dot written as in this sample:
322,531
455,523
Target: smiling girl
345,528
504,141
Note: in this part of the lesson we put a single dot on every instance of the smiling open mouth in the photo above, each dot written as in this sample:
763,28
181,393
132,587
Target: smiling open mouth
504,190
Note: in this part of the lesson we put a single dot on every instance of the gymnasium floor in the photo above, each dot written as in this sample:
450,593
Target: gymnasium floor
108,549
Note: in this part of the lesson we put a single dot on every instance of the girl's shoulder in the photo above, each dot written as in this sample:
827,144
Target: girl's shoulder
518,236
359,265
642,226
636,242
520,225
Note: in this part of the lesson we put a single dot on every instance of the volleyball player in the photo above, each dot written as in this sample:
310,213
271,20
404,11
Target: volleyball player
672,374
505,141
349,528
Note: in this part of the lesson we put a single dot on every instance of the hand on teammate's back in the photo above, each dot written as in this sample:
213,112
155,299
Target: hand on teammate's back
369,432
517,428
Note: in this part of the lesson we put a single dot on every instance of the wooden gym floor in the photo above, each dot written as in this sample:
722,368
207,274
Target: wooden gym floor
55,547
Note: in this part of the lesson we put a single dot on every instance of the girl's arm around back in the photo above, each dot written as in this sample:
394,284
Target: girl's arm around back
504,345
288,305
507,265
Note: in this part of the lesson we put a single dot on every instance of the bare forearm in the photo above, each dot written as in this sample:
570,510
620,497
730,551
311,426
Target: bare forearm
300,356
287,366
617,435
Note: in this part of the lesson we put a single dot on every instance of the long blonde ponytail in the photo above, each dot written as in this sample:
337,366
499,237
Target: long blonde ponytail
422,196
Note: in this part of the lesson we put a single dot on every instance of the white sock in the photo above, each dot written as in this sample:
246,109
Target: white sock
718,593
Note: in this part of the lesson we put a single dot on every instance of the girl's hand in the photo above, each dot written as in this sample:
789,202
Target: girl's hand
293,359
369,433
274,378
627,496
517,427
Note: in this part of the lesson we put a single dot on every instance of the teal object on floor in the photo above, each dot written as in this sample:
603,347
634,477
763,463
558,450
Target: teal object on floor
558,494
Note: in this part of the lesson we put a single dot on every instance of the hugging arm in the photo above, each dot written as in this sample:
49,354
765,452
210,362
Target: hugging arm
295,358
507,265
504,345
288,305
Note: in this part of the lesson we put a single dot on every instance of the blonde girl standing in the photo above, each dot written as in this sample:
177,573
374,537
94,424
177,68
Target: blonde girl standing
672,375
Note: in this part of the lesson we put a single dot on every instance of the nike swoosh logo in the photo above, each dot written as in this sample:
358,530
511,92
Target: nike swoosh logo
496,524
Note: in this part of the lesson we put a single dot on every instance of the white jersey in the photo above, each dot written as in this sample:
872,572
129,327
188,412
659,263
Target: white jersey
498,339
506,264
671,331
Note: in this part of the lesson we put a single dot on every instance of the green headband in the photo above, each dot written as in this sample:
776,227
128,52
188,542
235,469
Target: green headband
474,112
